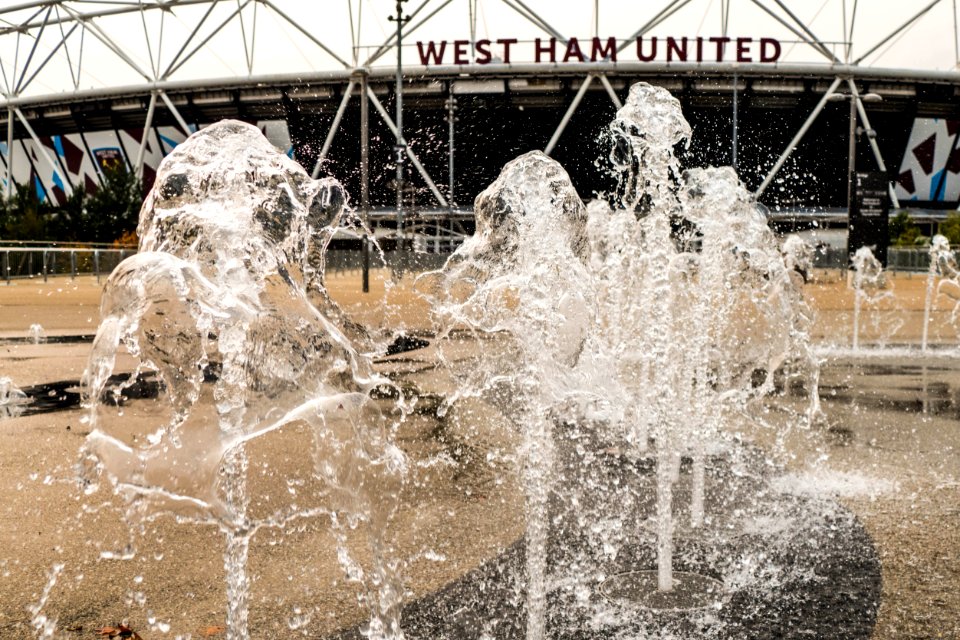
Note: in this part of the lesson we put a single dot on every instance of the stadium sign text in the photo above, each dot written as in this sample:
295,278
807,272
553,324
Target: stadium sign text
544,50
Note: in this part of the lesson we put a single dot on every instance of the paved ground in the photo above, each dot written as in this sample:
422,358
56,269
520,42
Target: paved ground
890,451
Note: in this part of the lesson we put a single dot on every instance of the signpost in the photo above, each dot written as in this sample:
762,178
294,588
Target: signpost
870,214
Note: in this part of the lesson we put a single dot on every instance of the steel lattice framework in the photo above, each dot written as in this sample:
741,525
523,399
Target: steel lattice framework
144,56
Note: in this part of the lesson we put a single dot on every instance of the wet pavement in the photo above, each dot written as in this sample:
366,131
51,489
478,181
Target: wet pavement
887,452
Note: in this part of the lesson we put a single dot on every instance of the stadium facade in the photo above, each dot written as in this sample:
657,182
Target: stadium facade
755,99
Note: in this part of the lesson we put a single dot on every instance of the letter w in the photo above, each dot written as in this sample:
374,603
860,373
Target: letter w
432,52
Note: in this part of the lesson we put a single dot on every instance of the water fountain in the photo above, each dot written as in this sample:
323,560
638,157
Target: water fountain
943,263
528,278
225,303
616,391
37,334
10,394
625,342
798,256
869,285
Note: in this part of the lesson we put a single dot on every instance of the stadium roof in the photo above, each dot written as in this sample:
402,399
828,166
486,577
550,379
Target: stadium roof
54,47
80,78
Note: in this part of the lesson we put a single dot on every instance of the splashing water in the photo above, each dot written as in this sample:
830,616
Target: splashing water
626,330
10,394
651,360
37,334
523,274
943,263
698,249
798,256
225,302
45,627
12,398
592,310
868,283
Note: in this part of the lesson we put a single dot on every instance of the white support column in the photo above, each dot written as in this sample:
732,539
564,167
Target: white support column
354,49
9,185
108,42
186,43
42,149
146,39
472,10
306,32
410,154
18,85
665,13
533,18
172,68
806,29
812,42
66,50
391,41
873,142
175,112
76,81
797,138
569,114
138,169
24,83
333,128
246,48
614,98
896,32
849,34
956,37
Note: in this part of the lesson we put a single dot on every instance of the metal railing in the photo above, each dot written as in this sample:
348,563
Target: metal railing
906,259
26,261
30,260
909,258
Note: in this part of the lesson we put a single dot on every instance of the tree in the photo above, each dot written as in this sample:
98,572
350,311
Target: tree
24,216
951,227
107,215
112,210
903,231
6,216
64,223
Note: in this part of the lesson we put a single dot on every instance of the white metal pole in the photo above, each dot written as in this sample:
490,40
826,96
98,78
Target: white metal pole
348,92
797,138
9,186
138,169
410,154
40,147
614,98
175,112
873,143
569,114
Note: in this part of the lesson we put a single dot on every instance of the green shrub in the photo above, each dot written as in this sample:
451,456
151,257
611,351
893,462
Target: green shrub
951,227
108,214
904,232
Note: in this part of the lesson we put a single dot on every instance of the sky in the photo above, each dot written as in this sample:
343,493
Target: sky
282,36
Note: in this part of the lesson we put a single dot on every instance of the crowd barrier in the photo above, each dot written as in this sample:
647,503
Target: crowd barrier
18,262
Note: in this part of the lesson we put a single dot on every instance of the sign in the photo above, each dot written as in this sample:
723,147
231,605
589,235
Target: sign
108,157
551,50
869,224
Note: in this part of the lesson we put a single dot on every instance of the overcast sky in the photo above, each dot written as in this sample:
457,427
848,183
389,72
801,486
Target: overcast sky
276,45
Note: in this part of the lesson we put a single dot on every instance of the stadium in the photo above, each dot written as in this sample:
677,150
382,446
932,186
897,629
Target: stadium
773,93
589,382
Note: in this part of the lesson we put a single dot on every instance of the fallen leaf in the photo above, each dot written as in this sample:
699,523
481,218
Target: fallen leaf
213,630
120,631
